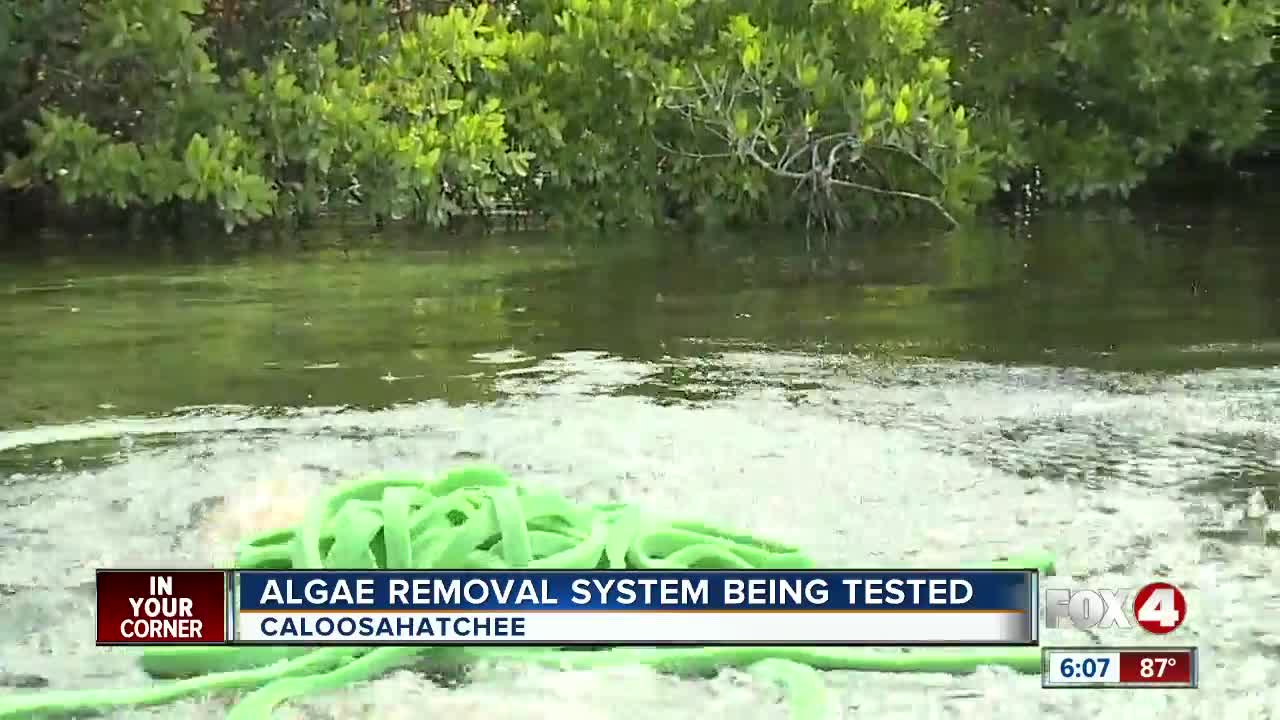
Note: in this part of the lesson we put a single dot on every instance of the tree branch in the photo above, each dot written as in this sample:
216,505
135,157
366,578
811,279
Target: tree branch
839,182
721,96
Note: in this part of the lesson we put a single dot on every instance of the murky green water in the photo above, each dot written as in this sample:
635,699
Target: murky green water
1106,387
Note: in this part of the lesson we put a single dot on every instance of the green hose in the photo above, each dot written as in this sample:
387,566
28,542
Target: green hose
477,518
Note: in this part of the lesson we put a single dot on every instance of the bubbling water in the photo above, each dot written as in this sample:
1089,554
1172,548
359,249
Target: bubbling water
274,502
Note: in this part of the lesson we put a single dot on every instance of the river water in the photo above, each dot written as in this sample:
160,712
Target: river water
1107,387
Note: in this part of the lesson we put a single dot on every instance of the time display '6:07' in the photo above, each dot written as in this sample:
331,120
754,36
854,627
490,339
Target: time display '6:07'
1120,667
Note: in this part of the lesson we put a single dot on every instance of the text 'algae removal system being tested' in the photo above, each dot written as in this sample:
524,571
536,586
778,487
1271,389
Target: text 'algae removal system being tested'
529,592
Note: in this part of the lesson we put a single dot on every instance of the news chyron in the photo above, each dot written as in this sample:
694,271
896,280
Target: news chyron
557,608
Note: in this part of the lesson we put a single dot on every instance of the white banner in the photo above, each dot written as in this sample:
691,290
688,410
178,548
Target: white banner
637,628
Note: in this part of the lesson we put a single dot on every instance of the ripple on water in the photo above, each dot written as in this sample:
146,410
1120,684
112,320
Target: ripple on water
858,461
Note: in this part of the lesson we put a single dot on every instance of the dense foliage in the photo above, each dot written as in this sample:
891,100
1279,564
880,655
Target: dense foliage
1097,94
614,111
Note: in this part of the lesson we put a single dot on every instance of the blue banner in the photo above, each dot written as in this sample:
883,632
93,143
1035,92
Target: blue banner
686,590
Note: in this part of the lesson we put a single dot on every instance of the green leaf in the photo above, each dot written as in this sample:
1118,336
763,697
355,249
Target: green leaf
742,28
874,110
868,89
519,164
197,155
285,87
900,112
808,76
17,174
328,54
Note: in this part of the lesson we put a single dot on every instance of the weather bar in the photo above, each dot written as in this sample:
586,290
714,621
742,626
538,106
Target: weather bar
1127,667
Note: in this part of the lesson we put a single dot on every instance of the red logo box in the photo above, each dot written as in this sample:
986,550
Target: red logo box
162,607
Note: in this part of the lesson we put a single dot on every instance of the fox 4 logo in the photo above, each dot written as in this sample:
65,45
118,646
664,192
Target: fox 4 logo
1158,608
